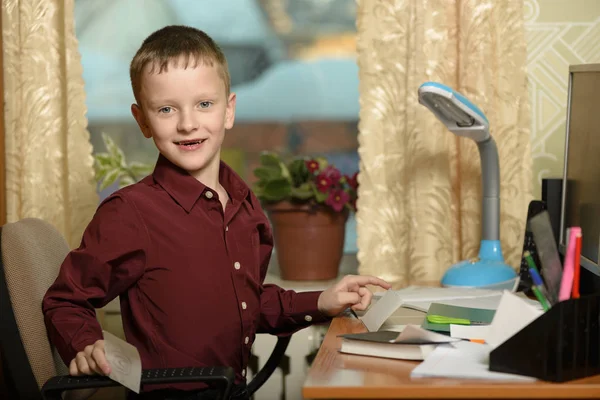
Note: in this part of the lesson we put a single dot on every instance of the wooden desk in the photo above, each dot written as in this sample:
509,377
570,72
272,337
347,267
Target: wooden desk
334,375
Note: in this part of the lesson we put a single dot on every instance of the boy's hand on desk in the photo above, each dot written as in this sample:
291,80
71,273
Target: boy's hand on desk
90,361
350,291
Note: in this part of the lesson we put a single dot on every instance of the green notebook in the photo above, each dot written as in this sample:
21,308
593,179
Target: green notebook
466,316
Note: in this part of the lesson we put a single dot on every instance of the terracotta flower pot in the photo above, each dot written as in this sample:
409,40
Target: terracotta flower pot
309,242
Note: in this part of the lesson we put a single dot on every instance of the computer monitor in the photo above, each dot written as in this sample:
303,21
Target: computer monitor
580,205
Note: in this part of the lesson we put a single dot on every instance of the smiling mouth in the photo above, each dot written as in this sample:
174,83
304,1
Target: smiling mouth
189,142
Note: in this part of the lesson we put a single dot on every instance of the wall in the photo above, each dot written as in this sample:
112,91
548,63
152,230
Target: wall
559,33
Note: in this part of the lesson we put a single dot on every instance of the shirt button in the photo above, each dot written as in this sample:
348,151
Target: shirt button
244,305
246,339
307,318
237,265
227,228
244,372
208,194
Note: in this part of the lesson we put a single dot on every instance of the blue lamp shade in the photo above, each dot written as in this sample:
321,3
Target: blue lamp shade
487,270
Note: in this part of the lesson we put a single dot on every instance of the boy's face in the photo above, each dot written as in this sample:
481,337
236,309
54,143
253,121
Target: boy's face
186,112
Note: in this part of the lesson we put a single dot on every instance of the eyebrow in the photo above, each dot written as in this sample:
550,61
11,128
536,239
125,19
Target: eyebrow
157,102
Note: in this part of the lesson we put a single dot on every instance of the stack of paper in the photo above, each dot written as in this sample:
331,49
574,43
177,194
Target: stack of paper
461,359
413,343
421,299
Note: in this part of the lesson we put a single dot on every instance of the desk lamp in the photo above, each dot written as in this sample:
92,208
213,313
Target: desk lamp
463,118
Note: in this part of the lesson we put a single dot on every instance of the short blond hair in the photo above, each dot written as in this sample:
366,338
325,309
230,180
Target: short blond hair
172,44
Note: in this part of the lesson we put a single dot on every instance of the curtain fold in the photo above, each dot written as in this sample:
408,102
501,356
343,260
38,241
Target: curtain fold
49,163
419,205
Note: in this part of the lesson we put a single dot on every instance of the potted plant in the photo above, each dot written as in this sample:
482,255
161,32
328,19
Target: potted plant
112,167
308,202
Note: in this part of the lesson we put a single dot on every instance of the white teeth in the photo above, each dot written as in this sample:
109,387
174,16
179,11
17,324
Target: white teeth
190,143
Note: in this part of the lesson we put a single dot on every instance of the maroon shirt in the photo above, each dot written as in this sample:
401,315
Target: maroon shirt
189,276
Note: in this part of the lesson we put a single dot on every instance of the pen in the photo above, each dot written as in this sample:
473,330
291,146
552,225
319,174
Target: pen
576,266
566,282
538,284
481,341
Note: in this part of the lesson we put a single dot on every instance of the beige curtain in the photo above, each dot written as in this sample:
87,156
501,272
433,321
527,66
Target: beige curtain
49,164
420,191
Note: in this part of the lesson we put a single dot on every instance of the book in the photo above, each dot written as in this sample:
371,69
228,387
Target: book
413,343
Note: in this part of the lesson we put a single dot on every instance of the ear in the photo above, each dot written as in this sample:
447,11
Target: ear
230,111
138,114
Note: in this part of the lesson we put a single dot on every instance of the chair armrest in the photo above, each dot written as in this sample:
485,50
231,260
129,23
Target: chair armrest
221,376
274,359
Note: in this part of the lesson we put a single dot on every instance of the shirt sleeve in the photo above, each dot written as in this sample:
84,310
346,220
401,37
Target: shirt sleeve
110,258
284,311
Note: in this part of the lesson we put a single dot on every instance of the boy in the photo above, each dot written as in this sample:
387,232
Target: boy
186,248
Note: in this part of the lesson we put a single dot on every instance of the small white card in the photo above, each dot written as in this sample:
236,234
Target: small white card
124,361
381,310
471,332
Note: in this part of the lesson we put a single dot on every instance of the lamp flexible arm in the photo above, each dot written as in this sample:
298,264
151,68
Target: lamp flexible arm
490,176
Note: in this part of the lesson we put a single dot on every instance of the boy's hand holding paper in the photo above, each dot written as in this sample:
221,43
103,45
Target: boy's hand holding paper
124,359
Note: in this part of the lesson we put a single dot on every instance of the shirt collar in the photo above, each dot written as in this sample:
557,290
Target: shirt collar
186,190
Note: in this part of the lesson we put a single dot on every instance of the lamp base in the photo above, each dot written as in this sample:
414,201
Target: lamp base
488,270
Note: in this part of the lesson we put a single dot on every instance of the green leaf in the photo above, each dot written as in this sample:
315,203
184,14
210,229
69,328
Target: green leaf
285,172
269,159
267,173
140,170
277,189
115,151
110,178
322,162
303,192
299,172
100,172
258,191
126,180
321,197
104,159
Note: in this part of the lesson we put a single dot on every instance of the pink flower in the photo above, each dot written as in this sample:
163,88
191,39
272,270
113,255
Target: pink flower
332,173
337,199
323,183
312,165
352,180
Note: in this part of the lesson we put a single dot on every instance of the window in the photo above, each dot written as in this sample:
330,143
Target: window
292,65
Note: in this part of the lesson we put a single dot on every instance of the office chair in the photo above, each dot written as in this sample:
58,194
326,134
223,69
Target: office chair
31,252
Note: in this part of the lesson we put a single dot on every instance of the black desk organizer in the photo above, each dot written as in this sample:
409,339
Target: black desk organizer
561,345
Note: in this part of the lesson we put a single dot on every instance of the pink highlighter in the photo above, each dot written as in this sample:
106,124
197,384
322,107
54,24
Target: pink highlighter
566,283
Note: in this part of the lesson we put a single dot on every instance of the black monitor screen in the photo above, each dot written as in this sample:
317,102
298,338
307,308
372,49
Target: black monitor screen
581,202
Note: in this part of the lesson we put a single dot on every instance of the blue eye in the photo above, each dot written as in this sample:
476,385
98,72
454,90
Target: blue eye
205,104
165,110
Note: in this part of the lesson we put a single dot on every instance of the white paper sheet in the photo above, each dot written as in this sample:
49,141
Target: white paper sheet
421,298
512,315
124,361
486,302
463,360
469,331
389,302
416,334
381,310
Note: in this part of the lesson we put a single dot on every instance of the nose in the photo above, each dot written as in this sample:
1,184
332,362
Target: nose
188,121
